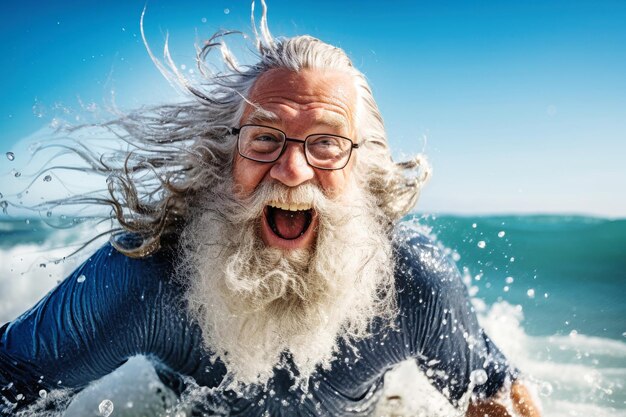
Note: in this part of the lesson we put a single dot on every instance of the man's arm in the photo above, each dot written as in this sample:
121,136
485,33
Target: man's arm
521,399
111,308
445,336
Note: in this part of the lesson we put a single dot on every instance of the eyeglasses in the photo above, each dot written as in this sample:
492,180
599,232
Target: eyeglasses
266,144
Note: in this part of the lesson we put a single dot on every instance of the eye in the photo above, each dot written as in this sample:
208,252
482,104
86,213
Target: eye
325,142
264,143
328,147
267,138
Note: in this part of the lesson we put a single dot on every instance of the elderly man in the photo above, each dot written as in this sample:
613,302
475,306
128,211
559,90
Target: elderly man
262,258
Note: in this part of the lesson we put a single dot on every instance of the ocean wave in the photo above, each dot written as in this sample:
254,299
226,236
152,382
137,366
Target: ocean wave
573,374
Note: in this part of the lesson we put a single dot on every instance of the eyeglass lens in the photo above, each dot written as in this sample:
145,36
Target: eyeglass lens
265,144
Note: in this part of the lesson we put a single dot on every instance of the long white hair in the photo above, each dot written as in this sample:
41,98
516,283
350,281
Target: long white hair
179,151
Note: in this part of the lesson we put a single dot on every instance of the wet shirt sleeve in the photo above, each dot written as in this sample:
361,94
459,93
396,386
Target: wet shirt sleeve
440,326
111,308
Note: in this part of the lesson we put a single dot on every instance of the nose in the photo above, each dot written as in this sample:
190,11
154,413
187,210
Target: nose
292,168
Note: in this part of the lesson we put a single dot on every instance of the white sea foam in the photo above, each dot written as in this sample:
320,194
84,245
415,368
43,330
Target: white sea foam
29,271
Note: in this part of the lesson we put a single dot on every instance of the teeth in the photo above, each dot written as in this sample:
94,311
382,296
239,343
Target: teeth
290,206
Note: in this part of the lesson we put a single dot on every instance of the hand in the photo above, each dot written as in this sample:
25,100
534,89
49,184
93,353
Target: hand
522,401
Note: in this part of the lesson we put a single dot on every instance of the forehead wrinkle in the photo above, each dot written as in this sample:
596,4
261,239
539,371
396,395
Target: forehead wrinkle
325,99
308,102
326,118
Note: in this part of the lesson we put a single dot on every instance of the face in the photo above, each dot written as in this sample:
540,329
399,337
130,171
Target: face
300,104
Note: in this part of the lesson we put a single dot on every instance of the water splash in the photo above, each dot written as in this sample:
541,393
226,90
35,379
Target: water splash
478,377
39,110
106,408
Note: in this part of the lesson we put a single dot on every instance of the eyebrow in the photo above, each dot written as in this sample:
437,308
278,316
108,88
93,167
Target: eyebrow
260,116
333,121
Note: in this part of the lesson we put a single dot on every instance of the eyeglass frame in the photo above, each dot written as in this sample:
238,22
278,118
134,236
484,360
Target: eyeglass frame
237,131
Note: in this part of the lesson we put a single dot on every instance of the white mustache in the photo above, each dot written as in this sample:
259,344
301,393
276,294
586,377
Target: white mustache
302,197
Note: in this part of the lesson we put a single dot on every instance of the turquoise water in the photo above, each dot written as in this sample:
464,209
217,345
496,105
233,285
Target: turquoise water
549,290
575,266
568,273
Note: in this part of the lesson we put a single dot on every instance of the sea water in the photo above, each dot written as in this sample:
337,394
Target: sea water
548,289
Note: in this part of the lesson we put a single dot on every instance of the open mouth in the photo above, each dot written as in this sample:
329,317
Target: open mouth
289,221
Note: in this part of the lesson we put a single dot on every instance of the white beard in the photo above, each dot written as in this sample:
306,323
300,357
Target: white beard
254,302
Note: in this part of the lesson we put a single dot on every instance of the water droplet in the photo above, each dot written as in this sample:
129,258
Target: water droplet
19,397
49,214
478,376
509,280
430,373
203,20
39,110
183,67
42,265
481,244
3,206
226,11
506,288
106,408
16,174
47,178
474,225
27,221
545,389
81,278
512,259
501,233
43,393
10,156
530,293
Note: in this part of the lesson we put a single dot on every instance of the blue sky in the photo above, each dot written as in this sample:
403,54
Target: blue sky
520,105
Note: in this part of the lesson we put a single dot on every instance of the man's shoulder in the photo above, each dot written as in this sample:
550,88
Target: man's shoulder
110,261
421,260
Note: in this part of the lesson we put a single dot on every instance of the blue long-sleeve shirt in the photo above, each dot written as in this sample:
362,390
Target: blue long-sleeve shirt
114,307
